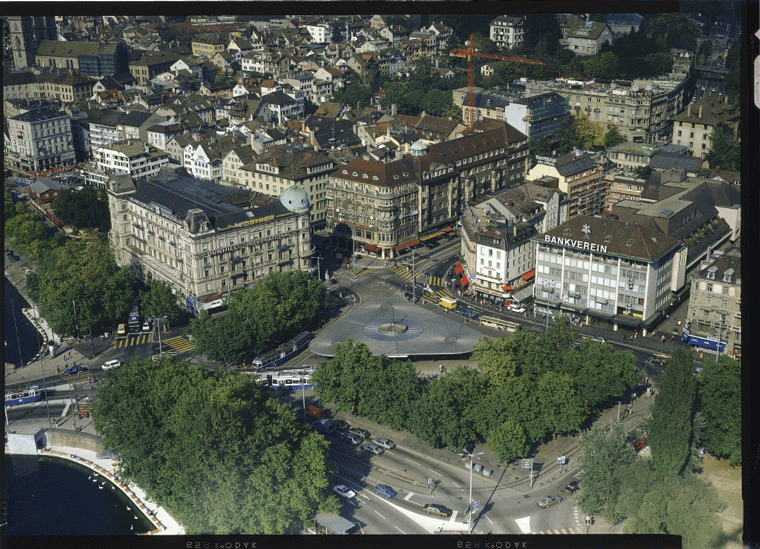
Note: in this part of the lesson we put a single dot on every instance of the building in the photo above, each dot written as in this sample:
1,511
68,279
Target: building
580,176
104,129
208,45
320,34
537,114
495,238
715,300
26,34
151,65
642,110
131,157
206,240
89,58
507,31
693,127
623,188
628,156
608,270
40,140
587,38
281,167
386,207
65,87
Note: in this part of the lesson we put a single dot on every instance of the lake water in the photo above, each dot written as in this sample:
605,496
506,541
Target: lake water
29,339
47,496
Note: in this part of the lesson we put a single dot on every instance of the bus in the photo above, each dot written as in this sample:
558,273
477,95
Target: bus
28,395
283,353
134,319
703,342
499,324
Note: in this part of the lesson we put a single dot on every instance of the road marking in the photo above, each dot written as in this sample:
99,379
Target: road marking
489,520
434,472
455,484
399,529
406,498
381,516
407,459
523,524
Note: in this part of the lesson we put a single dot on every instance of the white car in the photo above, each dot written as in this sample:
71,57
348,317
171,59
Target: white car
111,364
373,449
344,491
146,326
516,308
384,443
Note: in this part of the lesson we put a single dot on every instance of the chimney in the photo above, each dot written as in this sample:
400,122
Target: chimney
700,112
688,110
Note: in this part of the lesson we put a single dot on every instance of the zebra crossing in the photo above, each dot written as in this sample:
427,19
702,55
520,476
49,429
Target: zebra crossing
133,339
559,531
432,281
179,343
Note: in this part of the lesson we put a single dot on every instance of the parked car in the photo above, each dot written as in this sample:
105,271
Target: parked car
431,245
13,257
572,487
351,438
599,339
324,425
429,508
146,326
548,501
343,490
469,313
384,443
515,308
342,424
111,364
384,490
359,432
372,449
71,370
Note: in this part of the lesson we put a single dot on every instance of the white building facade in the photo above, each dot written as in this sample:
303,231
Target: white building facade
40,140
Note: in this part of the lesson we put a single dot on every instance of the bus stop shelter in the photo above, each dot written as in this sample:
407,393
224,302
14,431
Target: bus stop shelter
333,524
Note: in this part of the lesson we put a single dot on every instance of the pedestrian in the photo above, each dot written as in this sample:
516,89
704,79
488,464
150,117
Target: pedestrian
671,339
56,423
57,369
79,375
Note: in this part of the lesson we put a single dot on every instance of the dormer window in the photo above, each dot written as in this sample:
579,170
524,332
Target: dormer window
727,275
608,238
711,273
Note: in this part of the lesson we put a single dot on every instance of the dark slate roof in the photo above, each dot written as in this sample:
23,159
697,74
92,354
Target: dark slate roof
110,117
568,164
19,78
729,261
277,98
135,118
180,194
668,161
645,244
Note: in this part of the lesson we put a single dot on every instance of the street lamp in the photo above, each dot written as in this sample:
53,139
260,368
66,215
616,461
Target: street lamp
157,320
469,455
549,289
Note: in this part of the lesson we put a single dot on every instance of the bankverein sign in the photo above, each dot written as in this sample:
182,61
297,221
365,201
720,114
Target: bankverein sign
570,243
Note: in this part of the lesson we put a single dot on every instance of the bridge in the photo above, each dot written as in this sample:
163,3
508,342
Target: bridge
709,73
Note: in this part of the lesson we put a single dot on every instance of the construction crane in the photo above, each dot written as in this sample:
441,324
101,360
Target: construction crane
471,54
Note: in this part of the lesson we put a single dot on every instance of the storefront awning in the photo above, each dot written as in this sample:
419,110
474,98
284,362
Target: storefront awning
626,320
529,274
406,245
372,248
458,268
464,281
507,288
430,236
447,229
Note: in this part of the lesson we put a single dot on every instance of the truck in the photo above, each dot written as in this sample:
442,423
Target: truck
134,319
448,303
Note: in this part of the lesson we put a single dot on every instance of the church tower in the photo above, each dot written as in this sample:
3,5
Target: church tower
26,34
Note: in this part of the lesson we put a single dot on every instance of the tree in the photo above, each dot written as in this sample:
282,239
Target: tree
719,402
84,209
579,131
159,300
213,448
561,407
676,30
354,94
496,359
613,136
605,65
508,441
670,426
679,505
603,454
725,151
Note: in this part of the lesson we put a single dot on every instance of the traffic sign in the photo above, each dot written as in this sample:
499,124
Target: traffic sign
527,463
561,460
475,505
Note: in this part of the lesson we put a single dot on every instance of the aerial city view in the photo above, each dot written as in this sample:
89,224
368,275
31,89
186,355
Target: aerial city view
391,274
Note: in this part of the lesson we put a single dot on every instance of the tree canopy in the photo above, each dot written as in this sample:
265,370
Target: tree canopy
260,317
213,448
158,300
83,209
725,151
82,274
719,403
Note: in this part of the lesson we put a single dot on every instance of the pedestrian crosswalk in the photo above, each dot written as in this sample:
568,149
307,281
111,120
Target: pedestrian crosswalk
432,281
559,531
179,344
133,339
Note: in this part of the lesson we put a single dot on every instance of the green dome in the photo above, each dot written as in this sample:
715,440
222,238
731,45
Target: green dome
295,199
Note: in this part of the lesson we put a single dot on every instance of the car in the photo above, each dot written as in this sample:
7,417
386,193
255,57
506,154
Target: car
343,490
111,364
698,371
469,313
359,432
431,245
351,438
429,508
342,424
384,443
384,490
572,487
13,257
73,370
372,449
146,326
324,425
548,501
599,339
516,308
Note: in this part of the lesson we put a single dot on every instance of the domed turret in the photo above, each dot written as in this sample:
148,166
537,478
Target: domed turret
295,199
418,149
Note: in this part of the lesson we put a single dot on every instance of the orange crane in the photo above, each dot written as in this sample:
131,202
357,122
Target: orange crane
471,54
